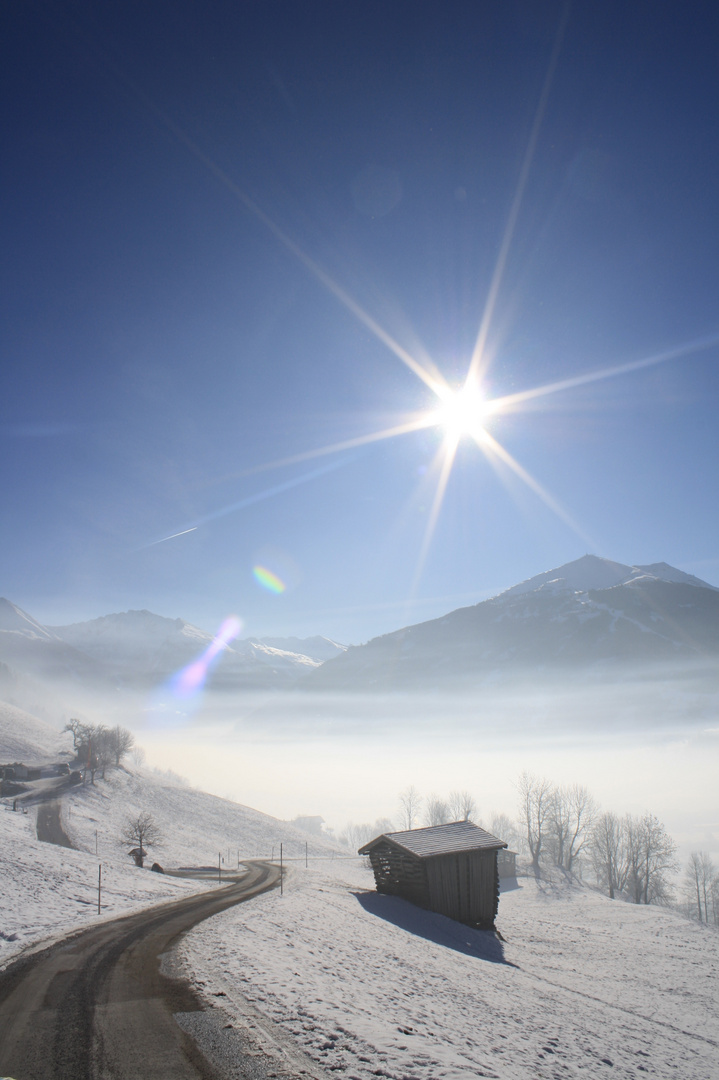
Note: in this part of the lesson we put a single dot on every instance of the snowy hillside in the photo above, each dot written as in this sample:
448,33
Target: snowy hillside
25,738
588,615
371,986
46,889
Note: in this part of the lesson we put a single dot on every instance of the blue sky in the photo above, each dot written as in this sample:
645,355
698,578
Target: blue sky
182,182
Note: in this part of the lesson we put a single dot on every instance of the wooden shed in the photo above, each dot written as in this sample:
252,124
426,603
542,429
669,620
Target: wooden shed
450,869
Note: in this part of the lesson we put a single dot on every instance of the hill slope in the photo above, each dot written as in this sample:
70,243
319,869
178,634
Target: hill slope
46,889
582,987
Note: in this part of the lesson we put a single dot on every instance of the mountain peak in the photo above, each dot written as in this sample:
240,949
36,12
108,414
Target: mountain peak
15,619
594,572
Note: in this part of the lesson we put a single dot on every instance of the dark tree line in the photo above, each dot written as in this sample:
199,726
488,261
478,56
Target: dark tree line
98,747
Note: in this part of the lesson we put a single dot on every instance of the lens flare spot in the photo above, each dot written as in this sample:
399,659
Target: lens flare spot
268,580
191,679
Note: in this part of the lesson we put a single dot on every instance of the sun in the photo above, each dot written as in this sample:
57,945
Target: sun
462,412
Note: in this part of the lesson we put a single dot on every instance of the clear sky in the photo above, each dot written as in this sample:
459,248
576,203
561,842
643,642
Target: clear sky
237,233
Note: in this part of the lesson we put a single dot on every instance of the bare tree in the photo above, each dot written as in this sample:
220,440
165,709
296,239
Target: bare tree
571,815
410,802
436,811
558,826
87,752
634,854
355,836
103,749
535,803
461,805
138,754
121,742
139,832
701,880
582,815
650,857
504,829
77,730
608,851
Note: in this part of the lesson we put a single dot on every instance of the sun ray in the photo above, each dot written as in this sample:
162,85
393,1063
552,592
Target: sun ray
509,401
426,370
478,354
447,452
418,422
490,446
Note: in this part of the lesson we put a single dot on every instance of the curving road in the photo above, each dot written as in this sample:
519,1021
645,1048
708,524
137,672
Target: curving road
95,1006
49,825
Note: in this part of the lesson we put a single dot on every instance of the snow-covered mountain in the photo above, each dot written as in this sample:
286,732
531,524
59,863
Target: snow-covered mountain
591,572
138,645
317,648
28,647
589,614
139,648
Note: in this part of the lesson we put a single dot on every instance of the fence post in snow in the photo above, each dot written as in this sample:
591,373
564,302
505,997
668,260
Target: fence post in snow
281,890
305,854
219,867
99,886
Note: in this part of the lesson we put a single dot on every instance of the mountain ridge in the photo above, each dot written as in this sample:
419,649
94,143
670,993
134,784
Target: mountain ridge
553,624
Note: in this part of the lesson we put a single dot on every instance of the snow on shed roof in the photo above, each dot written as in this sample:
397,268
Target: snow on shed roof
440,840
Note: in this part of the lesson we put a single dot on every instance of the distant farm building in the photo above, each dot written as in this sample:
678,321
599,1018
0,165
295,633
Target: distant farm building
450,869
506,864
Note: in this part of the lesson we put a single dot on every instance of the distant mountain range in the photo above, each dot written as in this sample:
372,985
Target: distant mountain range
590,615
139,648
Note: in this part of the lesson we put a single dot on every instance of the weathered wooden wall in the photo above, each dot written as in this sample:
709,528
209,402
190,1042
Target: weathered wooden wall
399,875
463,886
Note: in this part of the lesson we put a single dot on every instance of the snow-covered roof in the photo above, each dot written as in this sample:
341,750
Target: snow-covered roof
440,839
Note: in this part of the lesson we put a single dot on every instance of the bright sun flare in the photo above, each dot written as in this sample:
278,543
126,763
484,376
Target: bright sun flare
462,412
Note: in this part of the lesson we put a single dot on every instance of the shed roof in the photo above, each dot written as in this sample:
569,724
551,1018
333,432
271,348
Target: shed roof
440,840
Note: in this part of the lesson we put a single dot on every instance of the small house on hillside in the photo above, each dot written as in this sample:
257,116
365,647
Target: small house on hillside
450,869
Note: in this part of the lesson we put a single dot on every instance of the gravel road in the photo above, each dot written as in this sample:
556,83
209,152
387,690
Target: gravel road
96,1006
49,825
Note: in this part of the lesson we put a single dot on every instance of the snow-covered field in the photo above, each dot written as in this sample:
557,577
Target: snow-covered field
47,890
370,986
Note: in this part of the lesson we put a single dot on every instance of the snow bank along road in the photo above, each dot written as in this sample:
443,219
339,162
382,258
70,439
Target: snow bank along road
95,1005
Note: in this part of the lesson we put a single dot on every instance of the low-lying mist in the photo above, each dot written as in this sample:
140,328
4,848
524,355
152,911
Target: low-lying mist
649,742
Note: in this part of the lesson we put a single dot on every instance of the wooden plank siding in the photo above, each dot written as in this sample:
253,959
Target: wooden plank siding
464,886
399,874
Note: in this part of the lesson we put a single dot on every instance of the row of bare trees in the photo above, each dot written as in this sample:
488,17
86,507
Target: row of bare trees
630,856
633,856
556,821
414,809
98,747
